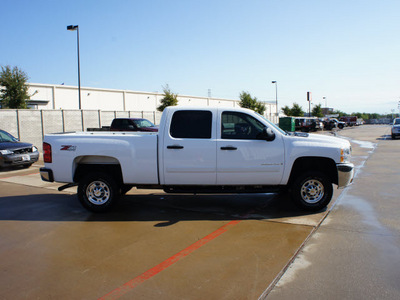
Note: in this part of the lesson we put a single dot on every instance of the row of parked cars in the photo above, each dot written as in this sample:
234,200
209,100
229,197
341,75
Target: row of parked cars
307,124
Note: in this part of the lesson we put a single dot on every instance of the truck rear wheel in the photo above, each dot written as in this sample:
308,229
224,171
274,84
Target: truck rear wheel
312,191
98,192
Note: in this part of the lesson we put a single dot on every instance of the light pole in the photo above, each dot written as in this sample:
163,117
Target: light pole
276,97
73,28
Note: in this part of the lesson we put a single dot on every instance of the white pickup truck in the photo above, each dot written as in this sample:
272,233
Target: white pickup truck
199,150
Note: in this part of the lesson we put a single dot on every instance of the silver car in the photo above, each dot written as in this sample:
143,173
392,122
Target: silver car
396,128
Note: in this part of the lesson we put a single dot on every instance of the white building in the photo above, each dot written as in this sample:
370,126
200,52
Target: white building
48,96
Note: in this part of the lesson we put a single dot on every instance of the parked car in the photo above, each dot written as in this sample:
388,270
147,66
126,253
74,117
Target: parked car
349,120
308,124
14,153
331,123
132,124
396,128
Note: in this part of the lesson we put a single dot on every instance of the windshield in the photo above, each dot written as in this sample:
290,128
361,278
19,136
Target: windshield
273,125
143,123
6,137
396,122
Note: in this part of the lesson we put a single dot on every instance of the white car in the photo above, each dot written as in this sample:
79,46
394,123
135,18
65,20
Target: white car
396,128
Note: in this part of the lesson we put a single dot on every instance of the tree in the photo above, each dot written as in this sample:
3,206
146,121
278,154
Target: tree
14,90
246,101
170,99
294,111
317,111
297,111
287,110
340,113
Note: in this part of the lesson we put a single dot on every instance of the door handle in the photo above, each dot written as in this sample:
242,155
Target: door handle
228,148
174,147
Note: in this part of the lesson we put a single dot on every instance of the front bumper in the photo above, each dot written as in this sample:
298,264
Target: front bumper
345,174
18,159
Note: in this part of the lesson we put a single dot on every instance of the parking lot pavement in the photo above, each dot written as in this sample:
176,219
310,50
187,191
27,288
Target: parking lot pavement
153,246
355,252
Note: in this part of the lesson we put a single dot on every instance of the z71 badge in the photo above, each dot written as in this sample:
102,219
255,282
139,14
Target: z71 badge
68,148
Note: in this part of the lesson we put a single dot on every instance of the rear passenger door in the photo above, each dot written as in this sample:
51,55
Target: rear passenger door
189,154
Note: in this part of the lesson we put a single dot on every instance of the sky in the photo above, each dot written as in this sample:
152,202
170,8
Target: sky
347,51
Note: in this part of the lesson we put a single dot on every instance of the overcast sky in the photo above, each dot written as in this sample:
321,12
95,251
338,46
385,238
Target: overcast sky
345,50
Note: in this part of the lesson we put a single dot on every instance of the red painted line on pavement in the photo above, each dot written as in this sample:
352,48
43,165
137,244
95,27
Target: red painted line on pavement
19,175
130,285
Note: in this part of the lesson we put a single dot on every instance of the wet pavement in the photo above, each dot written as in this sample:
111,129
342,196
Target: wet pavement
355,253
162,246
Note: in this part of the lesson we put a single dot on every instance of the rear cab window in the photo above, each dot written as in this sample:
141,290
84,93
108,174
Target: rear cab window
191,124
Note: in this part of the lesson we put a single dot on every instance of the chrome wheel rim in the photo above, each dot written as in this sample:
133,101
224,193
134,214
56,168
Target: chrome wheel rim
312,191
98,193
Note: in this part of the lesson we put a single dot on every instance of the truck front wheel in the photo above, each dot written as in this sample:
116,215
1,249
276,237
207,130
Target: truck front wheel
312,191
98,192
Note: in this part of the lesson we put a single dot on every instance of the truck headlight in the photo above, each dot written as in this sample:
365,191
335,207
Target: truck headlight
345,154
5,152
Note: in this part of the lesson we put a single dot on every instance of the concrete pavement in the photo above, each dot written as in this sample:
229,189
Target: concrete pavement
355,252
160,246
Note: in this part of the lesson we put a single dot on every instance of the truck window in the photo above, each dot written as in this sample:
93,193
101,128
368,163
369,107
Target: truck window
121,124
240,126
191,124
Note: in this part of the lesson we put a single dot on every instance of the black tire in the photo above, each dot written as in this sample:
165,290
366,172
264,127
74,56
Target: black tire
312,191
98,192
340,126
393,137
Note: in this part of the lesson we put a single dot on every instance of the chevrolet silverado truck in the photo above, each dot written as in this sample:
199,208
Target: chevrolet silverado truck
199,150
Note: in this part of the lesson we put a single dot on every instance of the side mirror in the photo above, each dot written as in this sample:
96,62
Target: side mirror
267,134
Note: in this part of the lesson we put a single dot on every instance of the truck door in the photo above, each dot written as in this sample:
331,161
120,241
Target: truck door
189,154
244,158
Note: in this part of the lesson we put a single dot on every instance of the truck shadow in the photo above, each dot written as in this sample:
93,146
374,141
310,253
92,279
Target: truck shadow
166,209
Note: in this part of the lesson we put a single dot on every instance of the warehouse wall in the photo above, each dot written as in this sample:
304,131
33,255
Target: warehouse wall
31,125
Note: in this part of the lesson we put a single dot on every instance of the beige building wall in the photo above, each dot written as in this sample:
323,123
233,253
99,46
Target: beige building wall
47,96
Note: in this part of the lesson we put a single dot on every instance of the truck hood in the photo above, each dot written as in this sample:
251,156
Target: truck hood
321,140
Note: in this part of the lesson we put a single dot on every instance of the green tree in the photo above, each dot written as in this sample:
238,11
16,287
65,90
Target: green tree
287,110
14,90
294,111
317,111
246,101
170,99
297,110
340,113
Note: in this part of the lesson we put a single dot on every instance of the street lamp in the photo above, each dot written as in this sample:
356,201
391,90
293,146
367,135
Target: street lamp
276,96
73,28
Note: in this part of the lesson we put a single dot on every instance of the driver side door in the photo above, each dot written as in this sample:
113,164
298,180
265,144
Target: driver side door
242,157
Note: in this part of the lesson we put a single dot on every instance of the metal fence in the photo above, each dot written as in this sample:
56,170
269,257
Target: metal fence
31,125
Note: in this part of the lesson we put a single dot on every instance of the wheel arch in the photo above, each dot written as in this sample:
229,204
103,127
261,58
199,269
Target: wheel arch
103,164
309,163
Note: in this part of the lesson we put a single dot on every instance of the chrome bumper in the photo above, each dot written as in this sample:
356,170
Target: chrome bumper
345,174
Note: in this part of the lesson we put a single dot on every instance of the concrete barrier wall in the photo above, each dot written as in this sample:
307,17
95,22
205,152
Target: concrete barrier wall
31,125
